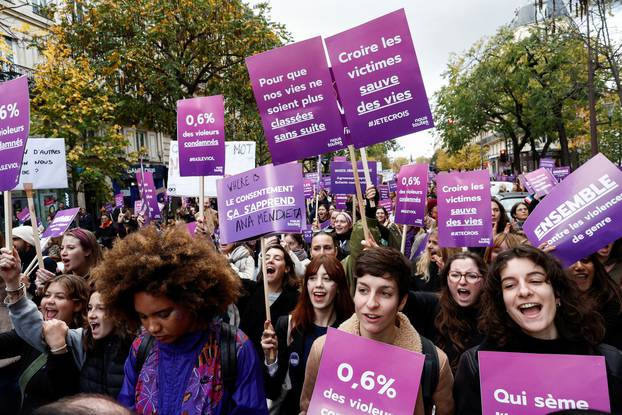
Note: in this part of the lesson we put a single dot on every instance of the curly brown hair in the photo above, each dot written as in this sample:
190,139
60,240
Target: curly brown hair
173,264
574,319
450,323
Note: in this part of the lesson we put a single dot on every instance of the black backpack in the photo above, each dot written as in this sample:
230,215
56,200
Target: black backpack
228,355
430,375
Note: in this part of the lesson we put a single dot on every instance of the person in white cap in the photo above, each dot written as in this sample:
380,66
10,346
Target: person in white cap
24,243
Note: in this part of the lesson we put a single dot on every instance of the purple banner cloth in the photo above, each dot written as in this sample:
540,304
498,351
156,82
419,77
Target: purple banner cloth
581,214
148,194
201,136
560,173
296,101
342,176
378,79
61,222
340,201
118,200
14,129
412,188
350,382
538,182
465,216
261,201
538,384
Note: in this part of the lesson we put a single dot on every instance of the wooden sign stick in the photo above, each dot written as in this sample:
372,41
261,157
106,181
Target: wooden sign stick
33,221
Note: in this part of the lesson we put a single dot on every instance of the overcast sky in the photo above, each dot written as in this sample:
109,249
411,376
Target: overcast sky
438,27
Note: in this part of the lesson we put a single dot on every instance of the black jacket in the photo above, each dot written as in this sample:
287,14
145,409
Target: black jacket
294,358
42,389
253,311
467,383
102,371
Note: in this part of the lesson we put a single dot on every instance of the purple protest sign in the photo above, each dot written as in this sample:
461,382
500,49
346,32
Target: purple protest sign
387,204
261,201
191,226
14,129
379,82
465,216
326,183
148,194
138,206
118,200
296,101
349,382
308,188
23,215
538,182
307,234
547,163
560,173
538,384
581,214
201,136
411,192
342,176
383,189
340,201
392,185
61,222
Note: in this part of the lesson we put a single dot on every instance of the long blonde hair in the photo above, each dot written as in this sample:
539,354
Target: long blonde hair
423,263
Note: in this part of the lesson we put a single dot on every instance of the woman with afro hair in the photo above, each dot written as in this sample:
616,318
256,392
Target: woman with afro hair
176,287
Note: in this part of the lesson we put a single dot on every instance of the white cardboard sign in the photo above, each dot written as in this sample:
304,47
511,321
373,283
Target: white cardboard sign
239,157
44,164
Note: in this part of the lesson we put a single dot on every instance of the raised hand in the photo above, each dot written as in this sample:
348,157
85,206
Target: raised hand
55,333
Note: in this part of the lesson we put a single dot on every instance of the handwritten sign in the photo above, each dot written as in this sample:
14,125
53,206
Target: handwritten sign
44,164
261,201
581,214
349,382
538,384
464,212
239,157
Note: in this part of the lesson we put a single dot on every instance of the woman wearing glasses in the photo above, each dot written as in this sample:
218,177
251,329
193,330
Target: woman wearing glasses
456,323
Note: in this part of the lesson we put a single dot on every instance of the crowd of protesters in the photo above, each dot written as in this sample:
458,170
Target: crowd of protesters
153,319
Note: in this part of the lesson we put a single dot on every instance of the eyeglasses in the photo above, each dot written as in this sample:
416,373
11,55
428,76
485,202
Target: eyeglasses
471,277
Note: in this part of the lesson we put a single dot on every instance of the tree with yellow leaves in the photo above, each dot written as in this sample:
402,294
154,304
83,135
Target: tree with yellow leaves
467,158
73,102
156,52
